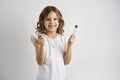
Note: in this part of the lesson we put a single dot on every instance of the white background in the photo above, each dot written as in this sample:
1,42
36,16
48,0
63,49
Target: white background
96,51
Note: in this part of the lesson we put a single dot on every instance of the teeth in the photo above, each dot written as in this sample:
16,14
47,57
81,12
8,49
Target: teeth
51,25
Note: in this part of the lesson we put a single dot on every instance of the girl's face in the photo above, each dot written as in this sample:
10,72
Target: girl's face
51,22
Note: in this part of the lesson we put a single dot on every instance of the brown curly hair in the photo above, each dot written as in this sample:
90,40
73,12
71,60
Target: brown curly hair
40,24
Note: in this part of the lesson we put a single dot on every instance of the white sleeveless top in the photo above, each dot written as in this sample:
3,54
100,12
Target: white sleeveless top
53,68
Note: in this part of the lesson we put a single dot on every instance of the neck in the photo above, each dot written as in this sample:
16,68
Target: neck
51,35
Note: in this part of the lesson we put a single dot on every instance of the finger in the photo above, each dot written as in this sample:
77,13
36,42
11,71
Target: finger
73,38
72,35
40,36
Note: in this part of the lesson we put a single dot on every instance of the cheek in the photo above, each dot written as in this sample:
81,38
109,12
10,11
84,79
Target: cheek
45,23
57,23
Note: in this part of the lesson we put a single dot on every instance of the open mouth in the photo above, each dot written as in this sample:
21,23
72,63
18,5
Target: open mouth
51,26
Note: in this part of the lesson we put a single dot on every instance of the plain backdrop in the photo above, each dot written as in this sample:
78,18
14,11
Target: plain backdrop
96,51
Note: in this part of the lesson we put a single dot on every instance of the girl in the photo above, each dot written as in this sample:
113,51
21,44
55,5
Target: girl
53,52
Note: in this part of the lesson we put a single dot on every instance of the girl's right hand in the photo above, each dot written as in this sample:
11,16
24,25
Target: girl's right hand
41,40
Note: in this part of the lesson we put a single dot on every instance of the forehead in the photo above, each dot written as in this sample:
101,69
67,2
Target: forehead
52,14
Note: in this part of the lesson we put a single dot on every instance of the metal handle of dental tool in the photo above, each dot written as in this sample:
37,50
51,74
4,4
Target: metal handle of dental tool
76,26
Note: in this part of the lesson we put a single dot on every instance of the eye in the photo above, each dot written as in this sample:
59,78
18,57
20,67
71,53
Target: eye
55,19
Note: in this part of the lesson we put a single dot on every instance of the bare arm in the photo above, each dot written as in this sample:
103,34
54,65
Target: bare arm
39,47
68,50
67,54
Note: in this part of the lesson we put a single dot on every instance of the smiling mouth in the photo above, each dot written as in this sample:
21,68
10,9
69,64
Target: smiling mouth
52,26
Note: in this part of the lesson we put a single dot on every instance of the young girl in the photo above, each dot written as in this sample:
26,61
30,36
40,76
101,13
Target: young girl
53,52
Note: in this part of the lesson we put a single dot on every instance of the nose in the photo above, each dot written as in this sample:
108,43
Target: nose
51,21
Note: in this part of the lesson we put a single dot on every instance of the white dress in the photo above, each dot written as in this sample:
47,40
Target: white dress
53,68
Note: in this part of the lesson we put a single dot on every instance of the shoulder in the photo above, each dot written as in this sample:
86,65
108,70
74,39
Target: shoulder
62,37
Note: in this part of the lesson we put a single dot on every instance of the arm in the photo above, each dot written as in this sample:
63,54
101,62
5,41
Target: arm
39,47
68,50
67,54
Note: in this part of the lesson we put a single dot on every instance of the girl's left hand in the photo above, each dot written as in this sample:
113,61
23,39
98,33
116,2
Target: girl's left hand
71,40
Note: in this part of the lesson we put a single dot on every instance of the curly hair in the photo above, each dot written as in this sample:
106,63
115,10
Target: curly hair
40,24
